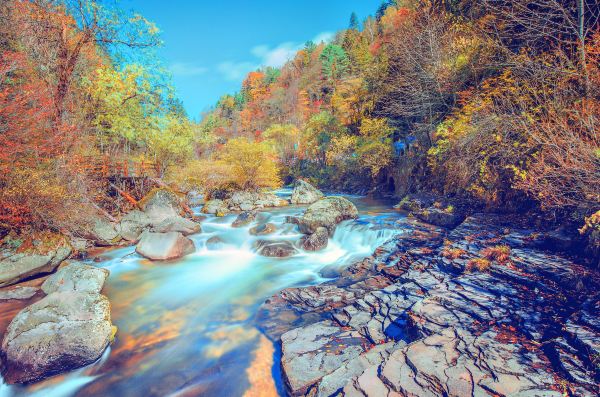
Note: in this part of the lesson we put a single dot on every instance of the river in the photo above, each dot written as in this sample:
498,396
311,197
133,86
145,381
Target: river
186,327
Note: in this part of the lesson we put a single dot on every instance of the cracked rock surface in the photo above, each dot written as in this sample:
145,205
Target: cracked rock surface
417,319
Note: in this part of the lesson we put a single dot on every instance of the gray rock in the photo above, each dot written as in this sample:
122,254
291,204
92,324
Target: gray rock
76,276
160,204
249,201
18,293
276,249
305,193
215,207
104,232
440,217
215,243
133,224
316,241
327,213
61,332
164,246
19,267
244,219
177,224
263,230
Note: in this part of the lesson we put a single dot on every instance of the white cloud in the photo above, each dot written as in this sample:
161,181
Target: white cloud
325,37
267,55
235,70
186,69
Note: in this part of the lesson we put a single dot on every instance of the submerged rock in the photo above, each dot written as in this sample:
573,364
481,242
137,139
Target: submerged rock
61,332
164,246
215,243
276,249
21,266
263,229
316,241
76,276
327,213
305,193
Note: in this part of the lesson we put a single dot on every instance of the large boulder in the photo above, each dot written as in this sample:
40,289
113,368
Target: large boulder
21,266
133,224
160,204
164,246
61,332
316,241
103,232
305,193
177,224
76,276
326,213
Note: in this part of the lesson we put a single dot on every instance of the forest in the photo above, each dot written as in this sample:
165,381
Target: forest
495,102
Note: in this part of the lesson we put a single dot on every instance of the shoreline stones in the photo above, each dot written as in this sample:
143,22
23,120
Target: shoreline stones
76,276
305,193
164,246
18,267
243,201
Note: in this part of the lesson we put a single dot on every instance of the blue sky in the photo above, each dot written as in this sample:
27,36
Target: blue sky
209,46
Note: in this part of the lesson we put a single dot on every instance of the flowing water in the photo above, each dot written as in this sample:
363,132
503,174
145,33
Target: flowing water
185,327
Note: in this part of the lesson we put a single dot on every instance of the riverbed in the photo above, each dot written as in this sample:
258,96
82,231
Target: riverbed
186,327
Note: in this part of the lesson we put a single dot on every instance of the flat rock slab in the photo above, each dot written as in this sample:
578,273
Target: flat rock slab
61,332
18,293
76,276
19,267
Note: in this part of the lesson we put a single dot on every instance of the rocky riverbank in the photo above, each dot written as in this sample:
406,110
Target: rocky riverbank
478,310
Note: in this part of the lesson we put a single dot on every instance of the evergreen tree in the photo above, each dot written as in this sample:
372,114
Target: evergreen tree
353,25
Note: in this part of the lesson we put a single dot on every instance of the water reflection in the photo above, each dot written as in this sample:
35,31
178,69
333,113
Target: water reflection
185,327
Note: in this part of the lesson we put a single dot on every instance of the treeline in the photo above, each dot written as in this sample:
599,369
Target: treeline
494,101
78,87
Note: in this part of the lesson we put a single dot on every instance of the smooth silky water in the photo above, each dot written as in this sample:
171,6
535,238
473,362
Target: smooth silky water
185,327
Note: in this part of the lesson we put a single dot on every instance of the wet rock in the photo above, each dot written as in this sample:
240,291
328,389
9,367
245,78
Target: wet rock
444,217
263,230
164,246
177,224
305,193
76,276
18,293
312,352
215,207
18,267
215,243
316,241
276,249
61,332
327,213
416,202
244,219
133,224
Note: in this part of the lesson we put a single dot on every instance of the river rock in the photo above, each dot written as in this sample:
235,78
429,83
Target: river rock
76,276
216,207
61,332
104,232
18,267
440,217
160,204
276,249
215,243
305,193
316,241
133,224
327,213
177,224
164,246
263,229
249,201
244,219
18,293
